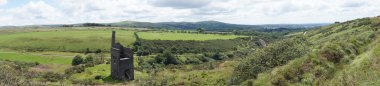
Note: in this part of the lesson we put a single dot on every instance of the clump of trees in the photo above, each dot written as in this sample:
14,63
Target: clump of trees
146,47
79,63
170,59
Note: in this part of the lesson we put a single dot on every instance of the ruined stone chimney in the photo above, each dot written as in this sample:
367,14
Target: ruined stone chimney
113,39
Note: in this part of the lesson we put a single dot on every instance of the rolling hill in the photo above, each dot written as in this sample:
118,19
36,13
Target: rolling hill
341,54
207,25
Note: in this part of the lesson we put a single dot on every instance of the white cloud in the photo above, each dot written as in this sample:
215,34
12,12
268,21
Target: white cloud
35,12
180,4
2,2
231,11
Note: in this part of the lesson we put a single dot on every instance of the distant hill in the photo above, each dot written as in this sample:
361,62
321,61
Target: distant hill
207,25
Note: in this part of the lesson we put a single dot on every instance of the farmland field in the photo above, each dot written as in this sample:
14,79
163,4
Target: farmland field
73,40
35,58
183,36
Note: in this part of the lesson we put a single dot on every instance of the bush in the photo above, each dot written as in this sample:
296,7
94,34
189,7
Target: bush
332,53
167,58
53,77
218,56
192,60
89,59
97,77
75,69
276,54
77,60
204,58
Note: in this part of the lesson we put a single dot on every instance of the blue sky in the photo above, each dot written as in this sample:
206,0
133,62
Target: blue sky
30,12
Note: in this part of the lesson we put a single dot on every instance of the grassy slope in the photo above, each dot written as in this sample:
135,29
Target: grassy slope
183,36
74,40
357,40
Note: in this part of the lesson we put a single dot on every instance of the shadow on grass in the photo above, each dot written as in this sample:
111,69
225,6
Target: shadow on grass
109,80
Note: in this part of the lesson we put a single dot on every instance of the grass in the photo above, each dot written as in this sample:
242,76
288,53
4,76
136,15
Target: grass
103,70
35,58
183,36
64,40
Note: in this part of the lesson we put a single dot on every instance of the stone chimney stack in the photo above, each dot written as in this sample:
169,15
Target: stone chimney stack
113,39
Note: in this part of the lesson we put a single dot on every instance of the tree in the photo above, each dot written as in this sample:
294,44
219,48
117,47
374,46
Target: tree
77,60
200,30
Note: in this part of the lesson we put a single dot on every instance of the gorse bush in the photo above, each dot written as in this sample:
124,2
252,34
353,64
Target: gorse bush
218,56
167,58
53,77
332,53
17,74
273,55
77,60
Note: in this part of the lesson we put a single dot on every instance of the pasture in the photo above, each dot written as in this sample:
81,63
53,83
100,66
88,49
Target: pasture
26,57
183,36
64,40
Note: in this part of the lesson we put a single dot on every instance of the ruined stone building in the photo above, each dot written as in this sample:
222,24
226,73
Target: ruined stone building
121,61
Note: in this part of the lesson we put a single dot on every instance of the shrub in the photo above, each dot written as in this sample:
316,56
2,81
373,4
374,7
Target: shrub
167,58
98,77
77,60
218,56
53,77
75,69
98,51
89,59
230,55
275,54
192,60
332,53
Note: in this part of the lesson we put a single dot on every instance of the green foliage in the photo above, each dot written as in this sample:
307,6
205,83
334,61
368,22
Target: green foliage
343,54
147,47
167,58
200,30
14,74
332,53
75,69
89,59
273,55
53,77
183,36
77,60
218,56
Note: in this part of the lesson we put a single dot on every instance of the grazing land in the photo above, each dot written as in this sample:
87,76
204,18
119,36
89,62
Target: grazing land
64,40
183,36
35,58
328,55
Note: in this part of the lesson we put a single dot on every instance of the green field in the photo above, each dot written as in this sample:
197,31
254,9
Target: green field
183,36
35,58
73,40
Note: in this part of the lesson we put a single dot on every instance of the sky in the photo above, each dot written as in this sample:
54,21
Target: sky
32,12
